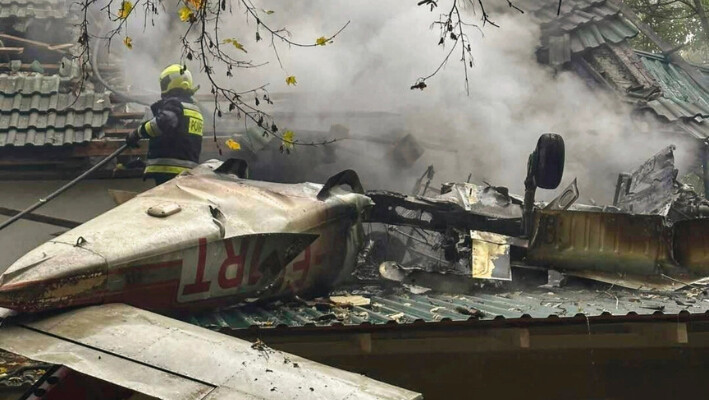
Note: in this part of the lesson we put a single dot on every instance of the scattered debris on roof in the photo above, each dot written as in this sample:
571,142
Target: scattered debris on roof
19,372
519,299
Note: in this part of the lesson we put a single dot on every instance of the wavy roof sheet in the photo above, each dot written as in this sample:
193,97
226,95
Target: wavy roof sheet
683,100
33,111
682,97
588,299
580,26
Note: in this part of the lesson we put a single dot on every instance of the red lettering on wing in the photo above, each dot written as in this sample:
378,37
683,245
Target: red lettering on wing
254,273
200,284
233,259
302,265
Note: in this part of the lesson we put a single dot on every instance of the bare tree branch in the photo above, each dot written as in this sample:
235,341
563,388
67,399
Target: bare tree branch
201,42
451,25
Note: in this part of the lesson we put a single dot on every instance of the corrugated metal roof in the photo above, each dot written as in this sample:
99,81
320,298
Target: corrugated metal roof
549,8
404,308
681,96
580,26
33,9
683,101
33,111
697,129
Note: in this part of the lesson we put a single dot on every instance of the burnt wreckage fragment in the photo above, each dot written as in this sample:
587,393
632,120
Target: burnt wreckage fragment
651,238
211,238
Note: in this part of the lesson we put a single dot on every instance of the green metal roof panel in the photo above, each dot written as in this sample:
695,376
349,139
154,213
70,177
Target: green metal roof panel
548,9
675,83
697,129
682,98
33,111
402,307
581,26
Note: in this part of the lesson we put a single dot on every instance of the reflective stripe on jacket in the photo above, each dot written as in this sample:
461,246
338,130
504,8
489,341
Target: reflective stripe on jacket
168,166
175,134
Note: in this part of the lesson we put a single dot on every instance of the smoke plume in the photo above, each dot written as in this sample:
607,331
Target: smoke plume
370,67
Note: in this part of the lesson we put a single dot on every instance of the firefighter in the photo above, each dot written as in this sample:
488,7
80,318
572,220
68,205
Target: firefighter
175,131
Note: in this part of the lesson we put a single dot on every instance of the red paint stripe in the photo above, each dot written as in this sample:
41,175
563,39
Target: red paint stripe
49,281
146,267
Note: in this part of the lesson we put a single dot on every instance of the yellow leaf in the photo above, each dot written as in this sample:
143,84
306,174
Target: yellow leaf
196,3
185,14
236,44
291,80
288,139
321,41
233,144
268,12
124,11
128,42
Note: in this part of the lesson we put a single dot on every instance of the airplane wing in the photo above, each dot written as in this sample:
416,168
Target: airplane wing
158,357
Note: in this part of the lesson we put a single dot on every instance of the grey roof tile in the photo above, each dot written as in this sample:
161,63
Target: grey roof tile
33,9
40,137
33,111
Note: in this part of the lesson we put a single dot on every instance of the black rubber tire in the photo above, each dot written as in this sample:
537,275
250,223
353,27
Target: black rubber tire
550,161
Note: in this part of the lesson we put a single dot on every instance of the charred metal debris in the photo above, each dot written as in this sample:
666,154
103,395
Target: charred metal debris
213,240
462,254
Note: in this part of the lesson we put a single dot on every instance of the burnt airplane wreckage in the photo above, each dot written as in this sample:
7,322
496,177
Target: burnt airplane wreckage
211,238
652,238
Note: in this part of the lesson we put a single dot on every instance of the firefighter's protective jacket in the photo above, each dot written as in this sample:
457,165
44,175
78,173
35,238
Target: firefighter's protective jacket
175,134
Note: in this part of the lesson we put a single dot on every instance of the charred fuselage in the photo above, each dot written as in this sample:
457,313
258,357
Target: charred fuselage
204,239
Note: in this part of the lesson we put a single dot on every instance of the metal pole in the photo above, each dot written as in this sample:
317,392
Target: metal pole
62,189
530,189
705,168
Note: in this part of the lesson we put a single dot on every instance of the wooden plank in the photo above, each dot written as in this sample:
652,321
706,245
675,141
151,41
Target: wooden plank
62,174
61,46
12,162
97,148
127,115
117,132
16,50
106,147
46,46
30,67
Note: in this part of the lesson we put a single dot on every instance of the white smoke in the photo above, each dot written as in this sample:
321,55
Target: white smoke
387,46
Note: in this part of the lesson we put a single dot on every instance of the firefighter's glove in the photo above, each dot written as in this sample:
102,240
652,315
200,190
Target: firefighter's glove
133,139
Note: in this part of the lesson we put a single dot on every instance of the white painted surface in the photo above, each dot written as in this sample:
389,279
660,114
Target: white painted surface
82,202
